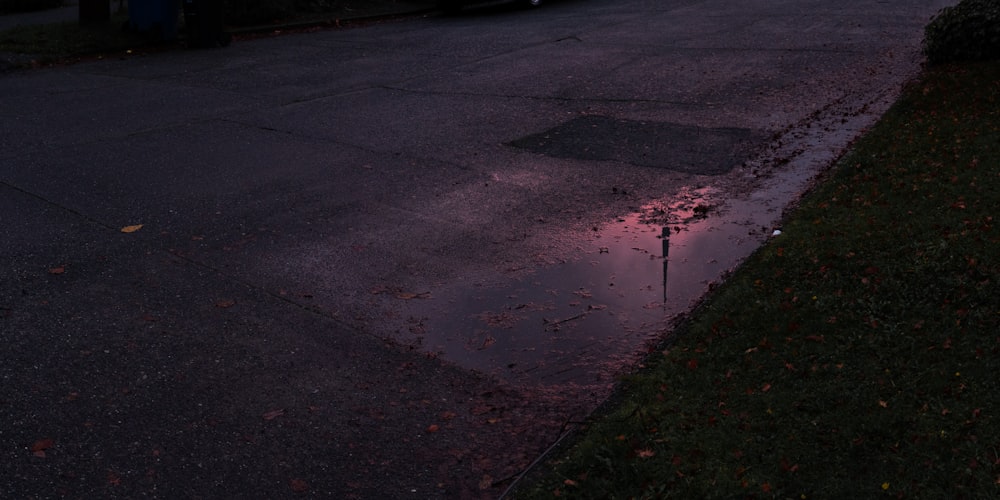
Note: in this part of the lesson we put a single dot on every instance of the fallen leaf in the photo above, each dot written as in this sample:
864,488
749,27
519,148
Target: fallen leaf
57,270
131,229
225,303
273,414
298,485
411,295
490,340
486,482
482,409
432,428
647,453
43,444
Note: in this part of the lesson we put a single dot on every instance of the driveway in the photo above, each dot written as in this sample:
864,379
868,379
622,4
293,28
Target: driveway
401,260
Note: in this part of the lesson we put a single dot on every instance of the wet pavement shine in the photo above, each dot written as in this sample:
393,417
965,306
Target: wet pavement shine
397,260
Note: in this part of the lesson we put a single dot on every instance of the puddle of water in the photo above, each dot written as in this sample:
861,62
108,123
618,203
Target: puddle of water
580,322
577,321
583,320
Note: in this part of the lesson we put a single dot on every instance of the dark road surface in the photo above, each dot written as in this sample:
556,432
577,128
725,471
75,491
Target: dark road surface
394,261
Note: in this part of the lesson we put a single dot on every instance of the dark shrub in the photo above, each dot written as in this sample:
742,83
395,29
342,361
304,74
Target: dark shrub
968,31
27,5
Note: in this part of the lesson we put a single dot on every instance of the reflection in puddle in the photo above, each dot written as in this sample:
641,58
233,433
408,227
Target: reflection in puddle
576,322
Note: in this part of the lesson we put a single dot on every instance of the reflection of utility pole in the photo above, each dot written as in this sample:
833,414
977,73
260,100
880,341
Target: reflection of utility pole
665,237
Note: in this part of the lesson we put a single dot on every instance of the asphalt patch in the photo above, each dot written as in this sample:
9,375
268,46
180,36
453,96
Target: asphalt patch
673,146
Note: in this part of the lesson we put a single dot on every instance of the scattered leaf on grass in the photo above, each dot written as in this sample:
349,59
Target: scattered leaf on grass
131,229
486,482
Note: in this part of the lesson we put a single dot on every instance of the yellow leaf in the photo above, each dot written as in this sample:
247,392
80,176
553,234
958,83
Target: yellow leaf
131,229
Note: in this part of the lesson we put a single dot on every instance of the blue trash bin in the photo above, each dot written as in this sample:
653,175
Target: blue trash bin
158,17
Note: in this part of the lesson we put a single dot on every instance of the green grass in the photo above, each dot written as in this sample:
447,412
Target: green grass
854,356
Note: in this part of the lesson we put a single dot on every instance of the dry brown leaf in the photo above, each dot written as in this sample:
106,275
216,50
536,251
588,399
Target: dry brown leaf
486,482
43,444
38,449
273,414
490,340
298,485
131,229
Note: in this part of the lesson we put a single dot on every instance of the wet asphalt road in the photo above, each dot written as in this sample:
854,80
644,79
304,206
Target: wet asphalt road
293,316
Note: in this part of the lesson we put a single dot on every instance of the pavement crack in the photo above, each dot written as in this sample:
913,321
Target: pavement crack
59,206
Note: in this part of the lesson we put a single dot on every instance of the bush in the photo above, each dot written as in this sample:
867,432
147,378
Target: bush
27,5
968,31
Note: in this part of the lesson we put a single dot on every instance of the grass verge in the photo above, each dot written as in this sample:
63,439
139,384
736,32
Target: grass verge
46,43
855,355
